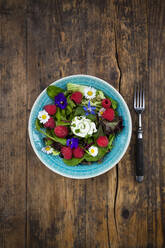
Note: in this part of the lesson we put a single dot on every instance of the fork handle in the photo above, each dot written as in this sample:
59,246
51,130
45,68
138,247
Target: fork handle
139,158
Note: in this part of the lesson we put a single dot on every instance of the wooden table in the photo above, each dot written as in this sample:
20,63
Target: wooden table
122,42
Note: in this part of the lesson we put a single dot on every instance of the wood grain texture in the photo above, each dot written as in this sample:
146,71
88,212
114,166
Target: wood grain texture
13,131
122,42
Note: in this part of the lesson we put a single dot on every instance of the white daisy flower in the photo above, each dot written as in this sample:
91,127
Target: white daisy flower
101,111
47,149
93,150
43,116
89,92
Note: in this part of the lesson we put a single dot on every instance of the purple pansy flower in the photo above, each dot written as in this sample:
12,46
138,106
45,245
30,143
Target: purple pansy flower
60,101
89,109
73,143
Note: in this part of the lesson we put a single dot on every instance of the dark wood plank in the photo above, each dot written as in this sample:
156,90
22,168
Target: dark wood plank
13,131
101,230
62,42
54,202
156,141
140,207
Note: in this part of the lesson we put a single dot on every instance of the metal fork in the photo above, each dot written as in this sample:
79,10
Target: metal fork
139,106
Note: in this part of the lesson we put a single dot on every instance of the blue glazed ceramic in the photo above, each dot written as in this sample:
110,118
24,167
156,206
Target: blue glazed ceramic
121,142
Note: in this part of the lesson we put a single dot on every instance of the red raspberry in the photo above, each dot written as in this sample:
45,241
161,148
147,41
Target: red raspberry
106,103
76,97
61,131
66,152
50,109
109,114
50,123
102,141
78,152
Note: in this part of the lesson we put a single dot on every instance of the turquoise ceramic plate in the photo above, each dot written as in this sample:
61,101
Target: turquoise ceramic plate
121,143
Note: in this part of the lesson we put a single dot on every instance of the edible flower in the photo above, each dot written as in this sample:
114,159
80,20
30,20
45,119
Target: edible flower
60,101
93,150
43,116
47,149
89,92
101,111
73,143
89,109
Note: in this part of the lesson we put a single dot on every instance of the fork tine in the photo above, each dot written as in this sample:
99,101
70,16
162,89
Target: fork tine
135,93
140,93
137,96
143,99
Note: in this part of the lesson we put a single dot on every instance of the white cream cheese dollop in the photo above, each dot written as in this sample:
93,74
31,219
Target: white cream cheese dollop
81,126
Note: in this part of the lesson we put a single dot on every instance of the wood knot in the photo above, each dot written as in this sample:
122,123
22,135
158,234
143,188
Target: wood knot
125,213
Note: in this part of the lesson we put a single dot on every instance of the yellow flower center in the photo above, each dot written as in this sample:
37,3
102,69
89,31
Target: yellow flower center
47,148
90,93
92,150
44,117
101,112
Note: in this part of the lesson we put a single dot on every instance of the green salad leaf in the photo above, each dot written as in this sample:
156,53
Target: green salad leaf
89,140
48,142
68,110
94,102
73,161
58,114
62,123
114,126
63,114
114,103
79,111
70,102
76,87
91,117
99,95
99,132
111,139
53,91
38,124
68,92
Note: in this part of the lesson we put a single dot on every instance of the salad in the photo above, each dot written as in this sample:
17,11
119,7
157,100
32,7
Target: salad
79,125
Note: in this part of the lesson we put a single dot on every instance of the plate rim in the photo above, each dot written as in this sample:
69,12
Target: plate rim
129,134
